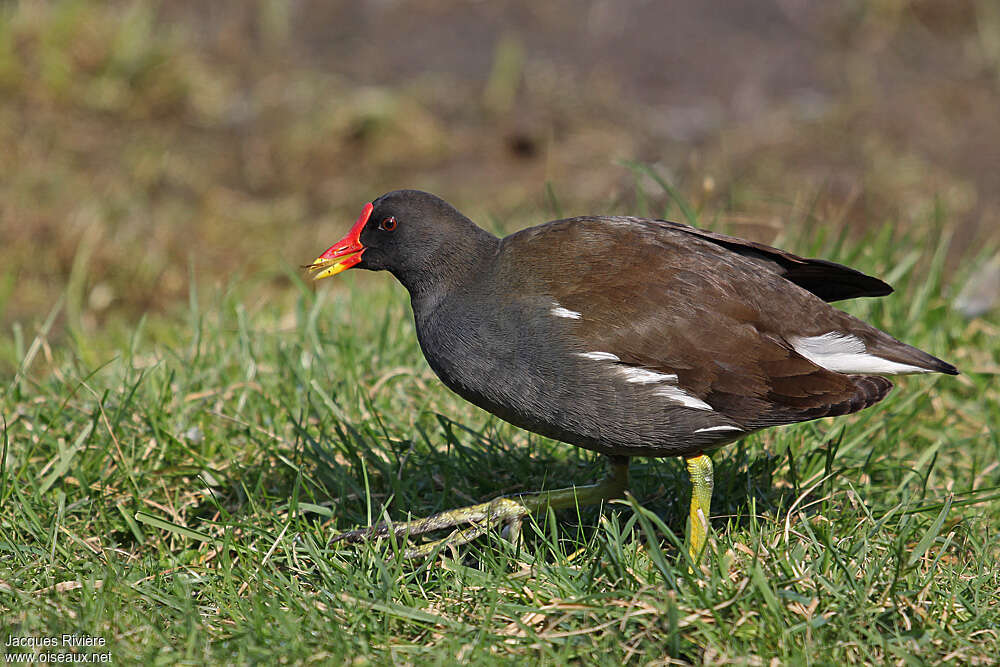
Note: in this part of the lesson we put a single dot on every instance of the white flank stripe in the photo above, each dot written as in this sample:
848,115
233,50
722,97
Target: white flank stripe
642,376
678,395
598,356
724,427
846,353
559,311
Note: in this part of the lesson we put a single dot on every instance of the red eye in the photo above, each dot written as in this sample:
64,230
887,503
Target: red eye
388,224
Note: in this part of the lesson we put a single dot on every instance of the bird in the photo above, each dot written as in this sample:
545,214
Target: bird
623,335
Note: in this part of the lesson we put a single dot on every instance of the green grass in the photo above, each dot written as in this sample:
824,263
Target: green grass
177,497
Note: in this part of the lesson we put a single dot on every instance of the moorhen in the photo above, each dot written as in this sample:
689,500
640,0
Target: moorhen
623,335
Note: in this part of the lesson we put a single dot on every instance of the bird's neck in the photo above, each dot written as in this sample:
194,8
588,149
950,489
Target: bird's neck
450,267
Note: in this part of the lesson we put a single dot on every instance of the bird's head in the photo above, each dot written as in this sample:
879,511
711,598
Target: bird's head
410,233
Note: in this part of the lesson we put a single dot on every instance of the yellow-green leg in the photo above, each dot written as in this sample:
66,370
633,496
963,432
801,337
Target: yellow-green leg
507,511
700,470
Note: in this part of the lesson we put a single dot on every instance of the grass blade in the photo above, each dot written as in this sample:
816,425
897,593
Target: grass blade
169,526
935,529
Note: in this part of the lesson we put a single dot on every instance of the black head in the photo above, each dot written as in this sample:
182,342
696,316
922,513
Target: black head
414,235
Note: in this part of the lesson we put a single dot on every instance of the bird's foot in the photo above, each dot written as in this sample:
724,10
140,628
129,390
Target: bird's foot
478,519
503,512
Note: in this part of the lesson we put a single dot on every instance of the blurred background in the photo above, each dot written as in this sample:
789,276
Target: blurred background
145,144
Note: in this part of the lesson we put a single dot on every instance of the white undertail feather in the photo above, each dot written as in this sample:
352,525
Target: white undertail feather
846,353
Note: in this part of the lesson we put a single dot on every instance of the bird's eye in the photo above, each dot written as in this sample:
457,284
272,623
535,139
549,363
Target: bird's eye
388,224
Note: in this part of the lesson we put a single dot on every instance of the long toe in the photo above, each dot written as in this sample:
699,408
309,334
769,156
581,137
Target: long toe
499,512
480,518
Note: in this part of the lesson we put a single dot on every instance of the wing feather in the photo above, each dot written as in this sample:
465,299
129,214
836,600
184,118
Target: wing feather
714,311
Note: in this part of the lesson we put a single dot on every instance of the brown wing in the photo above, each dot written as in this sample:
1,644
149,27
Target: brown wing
827,280
715,318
